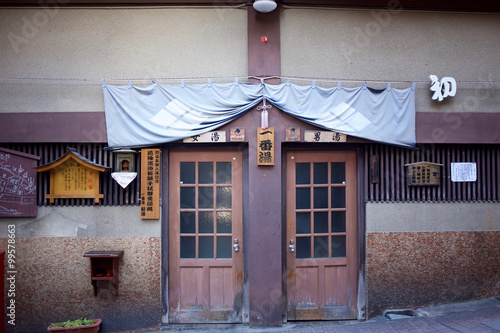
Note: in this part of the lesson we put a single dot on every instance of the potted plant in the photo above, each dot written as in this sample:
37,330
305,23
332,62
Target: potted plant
82,325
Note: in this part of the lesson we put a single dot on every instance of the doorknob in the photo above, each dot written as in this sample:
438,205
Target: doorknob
291,247
236,247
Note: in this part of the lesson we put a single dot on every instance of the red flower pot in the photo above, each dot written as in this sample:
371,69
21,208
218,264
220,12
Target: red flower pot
94,328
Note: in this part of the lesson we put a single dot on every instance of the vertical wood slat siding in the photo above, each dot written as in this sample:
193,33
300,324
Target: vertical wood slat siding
393,187
113,193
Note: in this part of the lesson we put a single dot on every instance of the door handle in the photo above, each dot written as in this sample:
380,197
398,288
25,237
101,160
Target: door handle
291,247
236,247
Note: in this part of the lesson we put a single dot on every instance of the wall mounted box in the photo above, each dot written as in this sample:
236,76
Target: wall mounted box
104,266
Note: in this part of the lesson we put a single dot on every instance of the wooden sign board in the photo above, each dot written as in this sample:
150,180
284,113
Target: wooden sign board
73,176
423,173
324,136
265,146
293,134
237,134
216,136
150,184
17,184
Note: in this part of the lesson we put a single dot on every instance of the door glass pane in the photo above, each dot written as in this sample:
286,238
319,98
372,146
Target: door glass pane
224,225
338,221
187,172
320,173
320,222
187,197
303,248
321,197
338,173
224,196
224,247
206,247
338,197
338,246
321,247
302,173
205,222
303,223
188,245
188,223
302,198
205,173
224,173
205,197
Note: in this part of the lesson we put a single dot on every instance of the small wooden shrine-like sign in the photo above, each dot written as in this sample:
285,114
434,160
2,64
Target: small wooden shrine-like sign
73,176
265,146
17,184
423,174
150,184
324,136
213,137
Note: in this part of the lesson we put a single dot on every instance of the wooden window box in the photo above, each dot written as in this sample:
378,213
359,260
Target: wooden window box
104,266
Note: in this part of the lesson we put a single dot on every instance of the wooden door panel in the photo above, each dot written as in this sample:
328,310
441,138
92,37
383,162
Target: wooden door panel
321,235
205,218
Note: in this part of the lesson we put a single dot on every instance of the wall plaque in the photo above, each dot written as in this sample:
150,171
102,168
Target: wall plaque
423,173
293,134
216,136
324,136
265,146
237,134
150,184
17,184
73,176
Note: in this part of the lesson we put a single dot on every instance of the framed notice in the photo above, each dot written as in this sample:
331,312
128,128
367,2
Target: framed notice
463,172
150,184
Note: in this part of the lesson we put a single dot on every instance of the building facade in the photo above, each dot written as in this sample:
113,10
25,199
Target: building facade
331,230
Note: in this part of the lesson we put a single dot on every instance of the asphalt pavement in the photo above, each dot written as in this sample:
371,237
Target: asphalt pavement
480,316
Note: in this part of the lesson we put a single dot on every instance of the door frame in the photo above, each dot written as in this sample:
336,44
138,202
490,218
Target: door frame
362,183
164,202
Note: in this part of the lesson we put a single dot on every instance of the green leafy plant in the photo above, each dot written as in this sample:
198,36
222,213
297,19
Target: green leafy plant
69,323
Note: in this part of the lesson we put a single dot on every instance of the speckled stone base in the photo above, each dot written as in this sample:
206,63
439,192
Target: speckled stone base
53,283
414,269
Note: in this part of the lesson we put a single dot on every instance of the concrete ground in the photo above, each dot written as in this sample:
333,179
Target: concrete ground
475,317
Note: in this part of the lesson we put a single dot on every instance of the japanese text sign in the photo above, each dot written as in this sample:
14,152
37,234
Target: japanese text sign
265,146
150,184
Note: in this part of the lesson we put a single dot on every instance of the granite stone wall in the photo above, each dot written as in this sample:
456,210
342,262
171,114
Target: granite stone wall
414,269
53,283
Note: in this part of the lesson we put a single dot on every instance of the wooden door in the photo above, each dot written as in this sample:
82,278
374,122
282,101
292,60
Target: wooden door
321,235
205,237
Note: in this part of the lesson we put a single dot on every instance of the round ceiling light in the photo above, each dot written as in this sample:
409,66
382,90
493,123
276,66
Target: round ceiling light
264,6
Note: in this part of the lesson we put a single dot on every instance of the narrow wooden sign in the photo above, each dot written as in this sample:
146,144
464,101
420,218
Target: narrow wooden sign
265,146
150,184
216,136
324,136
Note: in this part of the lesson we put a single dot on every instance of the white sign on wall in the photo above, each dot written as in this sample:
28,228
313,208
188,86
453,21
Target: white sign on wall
463,172
443,88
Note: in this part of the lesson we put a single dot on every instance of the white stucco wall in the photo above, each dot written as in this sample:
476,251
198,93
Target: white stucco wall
121,43
430,217
91,221
397,46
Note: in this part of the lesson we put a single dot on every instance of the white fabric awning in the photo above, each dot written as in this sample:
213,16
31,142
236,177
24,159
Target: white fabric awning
163,113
